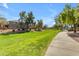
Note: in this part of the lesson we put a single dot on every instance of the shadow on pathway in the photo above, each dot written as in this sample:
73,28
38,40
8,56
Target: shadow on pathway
74,36
63,45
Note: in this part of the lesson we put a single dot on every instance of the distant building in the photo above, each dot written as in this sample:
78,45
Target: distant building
3,23
13,24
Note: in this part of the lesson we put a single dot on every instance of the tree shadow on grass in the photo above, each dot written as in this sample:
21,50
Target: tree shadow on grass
8,33
74,36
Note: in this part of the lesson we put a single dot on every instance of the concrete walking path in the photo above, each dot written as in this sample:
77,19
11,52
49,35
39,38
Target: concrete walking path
63,45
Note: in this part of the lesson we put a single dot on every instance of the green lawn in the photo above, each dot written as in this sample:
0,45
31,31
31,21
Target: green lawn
29,43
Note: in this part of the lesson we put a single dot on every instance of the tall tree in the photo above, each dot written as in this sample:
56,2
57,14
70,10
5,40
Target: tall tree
66,17
29,21
40,25
22,15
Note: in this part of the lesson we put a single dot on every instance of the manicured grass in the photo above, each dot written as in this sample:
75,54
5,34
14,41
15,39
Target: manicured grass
29,43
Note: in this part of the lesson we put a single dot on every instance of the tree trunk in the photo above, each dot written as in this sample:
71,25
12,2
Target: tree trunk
75,28
27,27
71,27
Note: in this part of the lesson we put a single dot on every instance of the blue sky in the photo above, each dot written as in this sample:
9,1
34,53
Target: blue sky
45,11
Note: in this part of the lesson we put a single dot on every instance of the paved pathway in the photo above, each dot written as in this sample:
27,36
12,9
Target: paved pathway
63,45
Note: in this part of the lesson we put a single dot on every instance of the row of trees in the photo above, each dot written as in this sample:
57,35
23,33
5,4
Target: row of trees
27,22
68,18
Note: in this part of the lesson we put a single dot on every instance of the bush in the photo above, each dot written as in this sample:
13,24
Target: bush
13,30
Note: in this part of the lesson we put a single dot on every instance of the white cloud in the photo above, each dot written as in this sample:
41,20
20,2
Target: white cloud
5,5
